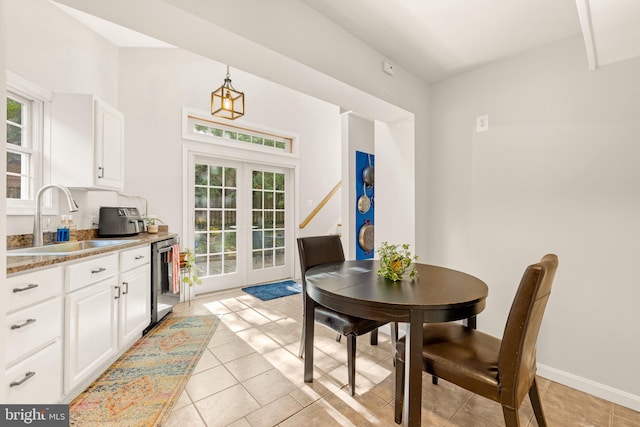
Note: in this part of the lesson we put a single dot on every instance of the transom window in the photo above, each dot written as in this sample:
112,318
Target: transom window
204,128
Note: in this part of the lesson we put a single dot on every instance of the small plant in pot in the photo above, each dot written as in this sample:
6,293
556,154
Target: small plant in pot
189,268
151,223
396,261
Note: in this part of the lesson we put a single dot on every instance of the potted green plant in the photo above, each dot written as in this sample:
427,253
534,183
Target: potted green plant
150,222
396,261
189,268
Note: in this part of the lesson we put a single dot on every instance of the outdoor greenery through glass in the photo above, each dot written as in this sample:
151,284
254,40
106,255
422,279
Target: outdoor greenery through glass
215,219
250,137
268,219
18,156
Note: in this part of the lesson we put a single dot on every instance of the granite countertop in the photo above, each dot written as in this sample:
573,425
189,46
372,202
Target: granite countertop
18,264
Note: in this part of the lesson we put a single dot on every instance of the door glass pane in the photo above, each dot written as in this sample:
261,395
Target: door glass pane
215,219
268,219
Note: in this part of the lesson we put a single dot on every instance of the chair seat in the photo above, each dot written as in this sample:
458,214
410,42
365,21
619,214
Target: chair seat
461,355
345,324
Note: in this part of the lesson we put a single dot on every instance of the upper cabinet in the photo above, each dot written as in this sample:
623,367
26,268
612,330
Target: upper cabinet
87,143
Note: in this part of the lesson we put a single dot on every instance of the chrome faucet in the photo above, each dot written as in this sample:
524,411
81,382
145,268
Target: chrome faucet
37,220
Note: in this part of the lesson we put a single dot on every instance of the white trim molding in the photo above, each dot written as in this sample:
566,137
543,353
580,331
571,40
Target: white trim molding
593,388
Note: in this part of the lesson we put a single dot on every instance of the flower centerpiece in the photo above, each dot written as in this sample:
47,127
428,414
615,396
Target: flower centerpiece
396,261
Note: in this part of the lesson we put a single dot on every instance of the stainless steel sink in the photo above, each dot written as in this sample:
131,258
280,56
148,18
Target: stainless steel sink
67,248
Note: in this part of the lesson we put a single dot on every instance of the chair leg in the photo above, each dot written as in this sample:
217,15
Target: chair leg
374,337
511,418
351,362
301,351
399,400
536,403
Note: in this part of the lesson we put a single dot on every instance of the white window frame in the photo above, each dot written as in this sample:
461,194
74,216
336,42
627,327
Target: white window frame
191,116
39,134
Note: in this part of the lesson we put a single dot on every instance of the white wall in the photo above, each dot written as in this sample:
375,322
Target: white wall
48,47
156,83
54,51
556,172
312,55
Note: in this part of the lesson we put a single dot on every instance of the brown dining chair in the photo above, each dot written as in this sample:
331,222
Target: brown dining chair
503,370
323,250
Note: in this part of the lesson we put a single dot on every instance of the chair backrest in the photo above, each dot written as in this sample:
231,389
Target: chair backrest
318,250
517,360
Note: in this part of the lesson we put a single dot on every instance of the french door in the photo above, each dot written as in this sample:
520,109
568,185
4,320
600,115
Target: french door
241,225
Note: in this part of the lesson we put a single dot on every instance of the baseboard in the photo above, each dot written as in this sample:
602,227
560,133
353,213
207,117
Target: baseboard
603,391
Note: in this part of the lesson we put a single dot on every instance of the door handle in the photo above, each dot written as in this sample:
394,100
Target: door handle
100,172
117,296
126,287
98,270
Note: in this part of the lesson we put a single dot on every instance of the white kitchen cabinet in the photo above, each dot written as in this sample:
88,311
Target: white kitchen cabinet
91,321
37,379
134,304
33,353
87,142
91,338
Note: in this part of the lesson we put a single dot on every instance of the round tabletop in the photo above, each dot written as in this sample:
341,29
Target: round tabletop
354,287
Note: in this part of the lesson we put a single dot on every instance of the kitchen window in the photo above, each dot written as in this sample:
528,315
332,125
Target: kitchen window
27,117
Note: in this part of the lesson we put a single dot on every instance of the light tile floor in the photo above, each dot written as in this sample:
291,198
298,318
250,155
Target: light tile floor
250,375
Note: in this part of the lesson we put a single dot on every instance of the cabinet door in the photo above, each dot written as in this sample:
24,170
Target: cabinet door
135,304
91,326
109,146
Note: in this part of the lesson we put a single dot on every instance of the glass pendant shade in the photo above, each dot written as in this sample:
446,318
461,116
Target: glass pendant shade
226,102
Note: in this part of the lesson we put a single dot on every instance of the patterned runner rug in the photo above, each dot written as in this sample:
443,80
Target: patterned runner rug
143,385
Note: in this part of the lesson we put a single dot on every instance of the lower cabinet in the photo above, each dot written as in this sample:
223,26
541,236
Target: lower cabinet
36,379
134,312
68,323
33,354
91,325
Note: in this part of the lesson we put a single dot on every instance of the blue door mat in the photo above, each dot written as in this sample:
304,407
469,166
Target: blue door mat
275,290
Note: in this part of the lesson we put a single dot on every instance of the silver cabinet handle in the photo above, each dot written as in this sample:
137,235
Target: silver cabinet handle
100,172
139,257
126,288
22,325
26,377
99,270
31,286
117,296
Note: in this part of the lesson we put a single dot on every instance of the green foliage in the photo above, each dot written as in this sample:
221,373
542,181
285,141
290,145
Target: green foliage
395,261
190,269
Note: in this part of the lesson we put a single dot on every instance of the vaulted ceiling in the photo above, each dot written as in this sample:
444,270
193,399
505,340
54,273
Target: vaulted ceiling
435,39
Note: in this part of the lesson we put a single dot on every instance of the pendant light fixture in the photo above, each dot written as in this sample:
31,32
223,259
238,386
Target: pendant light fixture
226,102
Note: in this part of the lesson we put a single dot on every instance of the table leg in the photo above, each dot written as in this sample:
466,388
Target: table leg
309,319
413,371
471,322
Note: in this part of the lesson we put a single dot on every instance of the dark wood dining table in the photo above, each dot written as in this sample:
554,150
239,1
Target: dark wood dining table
437,294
